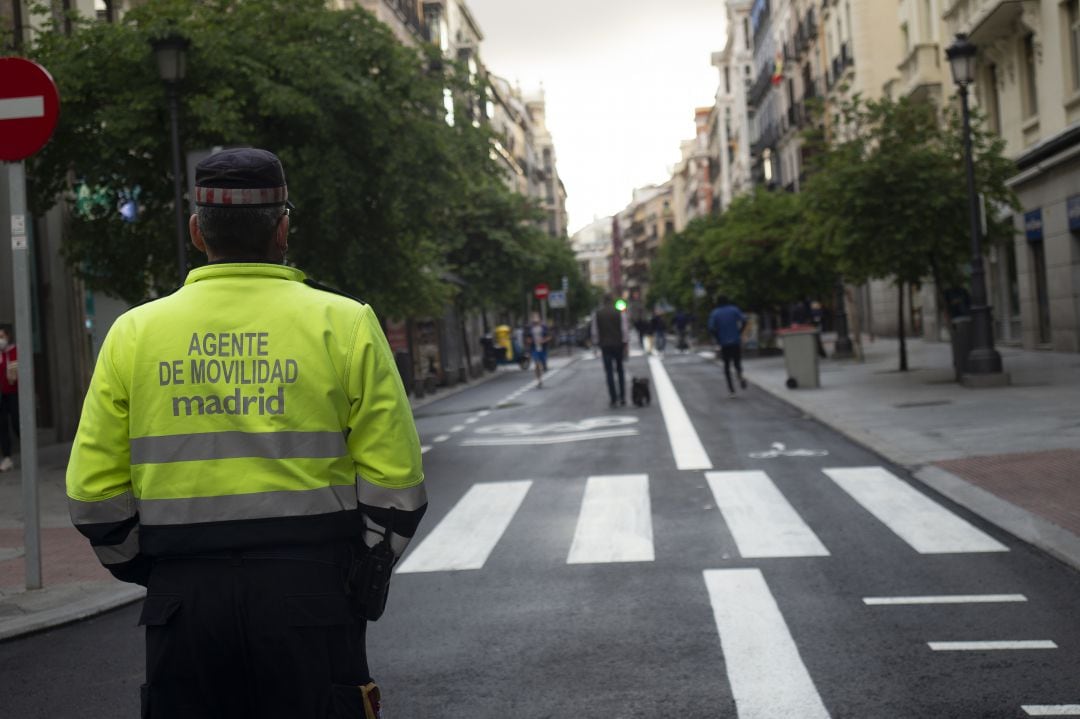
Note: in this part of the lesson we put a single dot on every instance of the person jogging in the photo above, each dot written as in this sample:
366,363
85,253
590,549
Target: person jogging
726,324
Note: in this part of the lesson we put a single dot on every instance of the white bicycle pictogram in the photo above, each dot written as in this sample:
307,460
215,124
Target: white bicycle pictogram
526,429
779,449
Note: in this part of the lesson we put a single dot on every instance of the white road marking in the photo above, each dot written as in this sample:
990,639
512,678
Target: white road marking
685,443
22,108
615,524
549,439
946,599
991,645
707,355
483,413
767,676
1052,710
467,534
472,420
762,521
457,428
920,521
441,438
425,449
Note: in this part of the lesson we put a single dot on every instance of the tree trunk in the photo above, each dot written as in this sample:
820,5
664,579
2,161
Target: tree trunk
900,326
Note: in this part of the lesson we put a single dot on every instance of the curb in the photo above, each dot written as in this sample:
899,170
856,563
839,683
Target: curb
71,612
451,391
1022,524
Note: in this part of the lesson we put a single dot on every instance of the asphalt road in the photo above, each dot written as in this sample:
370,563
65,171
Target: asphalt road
569,568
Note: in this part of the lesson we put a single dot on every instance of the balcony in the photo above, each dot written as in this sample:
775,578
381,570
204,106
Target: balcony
985,20
920,69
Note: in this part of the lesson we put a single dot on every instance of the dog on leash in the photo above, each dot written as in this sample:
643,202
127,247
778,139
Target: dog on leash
639,391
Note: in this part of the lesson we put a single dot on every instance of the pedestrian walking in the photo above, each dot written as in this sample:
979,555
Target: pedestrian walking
658,327
539,336
726,324
644,332
247,452
9,397
611,333
682,328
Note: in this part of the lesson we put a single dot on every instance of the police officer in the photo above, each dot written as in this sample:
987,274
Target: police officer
245,443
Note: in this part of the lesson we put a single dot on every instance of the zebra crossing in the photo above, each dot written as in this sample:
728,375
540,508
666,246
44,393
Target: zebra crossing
615,520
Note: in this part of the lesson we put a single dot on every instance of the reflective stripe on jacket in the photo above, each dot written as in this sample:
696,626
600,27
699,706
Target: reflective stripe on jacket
246,409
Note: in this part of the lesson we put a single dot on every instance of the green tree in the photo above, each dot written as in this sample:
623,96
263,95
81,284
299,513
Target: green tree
358,120
888,198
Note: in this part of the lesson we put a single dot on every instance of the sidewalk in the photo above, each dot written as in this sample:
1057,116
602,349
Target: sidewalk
1010,454
75,585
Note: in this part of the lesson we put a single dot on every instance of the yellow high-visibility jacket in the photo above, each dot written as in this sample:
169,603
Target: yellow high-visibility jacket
247,409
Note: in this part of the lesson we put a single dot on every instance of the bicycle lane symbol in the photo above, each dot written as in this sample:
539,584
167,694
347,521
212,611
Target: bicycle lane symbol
519,433
779,449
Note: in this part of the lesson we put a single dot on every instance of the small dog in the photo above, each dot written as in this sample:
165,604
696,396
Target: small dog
639,391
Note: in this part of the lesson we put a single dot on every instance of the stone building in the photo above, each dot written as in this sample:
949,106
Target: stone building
1029,88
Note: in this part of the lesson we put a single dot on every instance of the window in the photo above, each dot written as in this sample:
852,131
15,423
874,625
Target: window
727,80
927,21
746,32
1031,92
1072,10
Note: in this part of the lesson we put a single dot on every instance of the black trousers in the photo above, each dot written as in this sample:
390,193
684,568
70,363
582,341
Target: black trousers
9,422
613,362
251,637
731,354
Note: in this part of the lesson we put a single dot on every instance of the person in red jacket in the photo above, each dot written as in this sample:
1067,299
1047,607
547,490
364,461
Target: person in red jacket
9,396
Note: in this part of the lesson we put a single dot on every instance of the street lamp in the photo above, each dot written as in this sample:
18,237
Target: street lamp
983,358
171,54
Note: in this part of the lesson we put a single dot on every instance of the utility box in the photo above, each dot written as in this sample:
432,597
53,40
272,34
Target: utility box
801,357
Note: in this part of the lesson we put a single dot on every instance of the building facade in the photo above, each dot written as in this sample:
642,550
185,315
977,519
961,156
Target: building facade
593,246
730,122
1028,87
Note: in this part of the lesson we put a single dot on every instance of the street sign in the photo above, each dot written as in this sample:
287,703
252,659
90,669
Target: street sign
29,108
557,299
540,291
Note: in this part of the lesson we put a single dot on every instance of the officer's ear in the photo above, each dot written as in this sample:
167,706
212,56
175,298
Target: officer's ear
196,234
281,234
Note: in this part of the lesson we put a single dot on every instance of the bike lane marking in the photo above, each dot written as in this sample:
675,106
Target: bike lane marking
685,444
765,670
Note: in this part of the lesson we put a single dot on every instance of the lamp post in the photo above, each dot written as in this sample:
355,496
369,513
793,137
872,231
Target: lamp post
171,54
983,358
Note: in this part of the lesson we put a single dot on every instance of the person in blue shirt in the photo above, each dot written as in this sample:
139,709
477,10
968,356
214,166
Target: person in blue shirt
726,324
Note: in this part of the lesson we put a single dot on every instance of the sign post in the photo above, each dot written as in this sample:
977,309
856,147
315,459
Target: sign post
29,108
540,292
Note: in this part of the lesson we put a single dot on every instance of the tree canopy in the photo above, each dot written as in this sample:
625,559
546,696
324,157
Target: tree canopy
392,201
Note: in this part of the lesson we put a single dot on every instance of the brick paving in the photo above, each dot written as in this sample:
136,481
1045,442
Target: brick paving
66,558
1044,483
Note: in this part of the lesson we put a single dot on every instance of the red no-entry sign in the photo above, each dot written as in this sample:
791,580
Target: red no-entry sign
540,291
29,107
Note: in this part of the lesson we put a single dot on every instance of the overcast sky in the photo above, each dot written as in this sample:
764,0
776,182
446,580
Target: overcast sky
622,79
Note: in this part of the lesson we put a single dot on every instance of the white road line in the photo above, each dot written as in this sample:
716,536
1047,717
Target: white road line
441,438
550,439
767,676
425,449
472,420
457,428
1052,710
467,534
991,645
761,520
22,108
920,521
483,413
615,524
946,599
707,355
685,443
